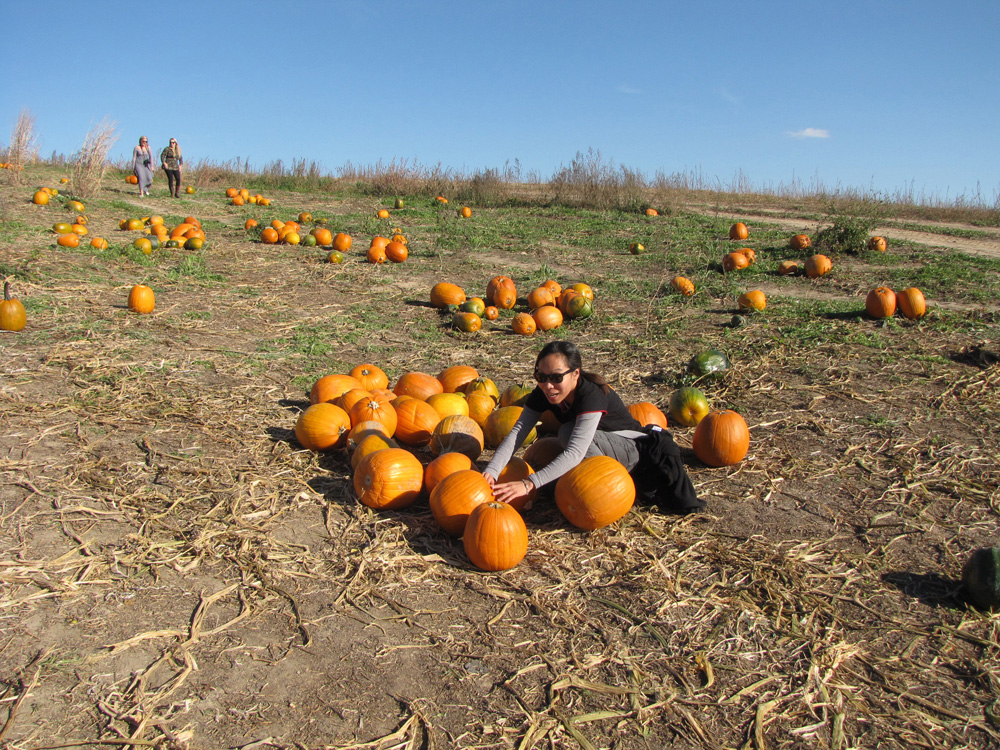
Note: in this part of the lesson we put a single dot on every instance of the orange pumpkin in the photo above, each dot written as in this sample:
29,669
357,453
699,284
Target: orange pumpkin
324,237
332,387
755,300
141,299
881,302
396,252
323,426
449,404
466,212
481,405
370,409
442,466
349,398
370,376
457,434
818,265
594,493
683,285
734,262
739,231
523,324
454,378
417,384
912,303
68,240
455,497
491,313
877,244
540,297
375,254
647,413
342,242
721,438
415,421
652,212
502,292
12,313
518,470
788,268
499,424
495,537
543,451
269,236
555,289
800,242
445,293
547,318
389,479
467,322
371,442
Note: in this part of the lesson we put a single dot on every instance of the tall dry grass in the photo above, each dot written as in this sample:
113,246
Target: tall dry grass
23,148
592,181
90,163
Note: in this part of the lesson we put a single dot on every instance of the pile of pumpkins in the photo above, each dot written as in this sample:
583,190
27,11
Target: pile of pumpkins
188,234
242,196
548,305
69,233
455,416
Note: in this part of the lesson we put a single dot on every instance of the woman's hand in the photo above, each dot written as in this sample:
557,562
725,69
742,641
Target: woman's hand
509,491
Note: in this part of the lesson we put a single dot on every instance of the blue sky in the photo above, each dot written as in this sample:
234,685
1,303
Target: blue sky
872,95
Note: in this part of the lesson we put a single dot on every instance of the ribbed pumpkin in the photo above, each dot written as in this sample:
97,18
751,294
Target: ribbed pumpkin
457,434
349,398
454,378
141,299
540,297
417,384
371,409
449,404
881,302
517,470
12,313
455,496
647,413
370,376
389,479
800,242
442,466
722,438
543,451
322,426
547,318
502,292
362,430
495,537
484,384
594,493
517,394
416,421
911,303
817,265
500,423
332,387
734,262
481,405
683,285
739,231
554,287
373,441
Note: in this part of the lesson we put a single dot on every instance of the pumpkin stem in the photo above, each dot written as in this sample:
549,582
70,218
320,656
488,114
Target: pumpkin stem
6,291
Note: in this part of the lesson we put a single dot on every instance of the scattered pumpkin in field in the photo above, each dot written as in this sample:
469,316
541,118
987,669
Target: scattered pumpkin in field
750,254
711,362
444,293
881,302
383,213
788,268
755,300
454,379
141,299
466,212
466,322
596,492
502,292
190,190
739,231
547,317
800,242
647,413
636,248
376,254
688,406
734,262
818,265
491,312
540,297
269,236
132,180
877,244
911,303
523,324
722,438
68,240
441,199
397,252
12,314
342,242
40,198
495,537
683,285
652,212
473,305
399,203
99,243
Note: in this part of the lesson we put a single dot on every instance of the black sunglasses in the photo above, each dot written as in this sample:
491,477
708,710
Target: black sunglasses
551,377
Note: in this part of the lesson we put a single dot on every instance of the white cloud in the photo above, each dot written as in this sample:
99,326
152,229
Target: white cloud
626,89
810,133
730,97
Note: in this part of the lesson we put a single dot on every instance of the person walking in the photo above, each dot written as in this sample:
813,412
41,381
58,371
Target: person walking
172,160
142,165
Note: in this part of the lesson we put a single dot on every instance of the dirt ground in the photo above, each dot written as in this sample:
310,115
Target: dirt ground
176,572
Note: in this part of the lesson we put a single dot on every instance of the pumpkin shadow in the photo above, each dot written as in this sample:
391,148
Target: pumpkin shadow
931,589
975,356
847,315
283,435
418,303
293,404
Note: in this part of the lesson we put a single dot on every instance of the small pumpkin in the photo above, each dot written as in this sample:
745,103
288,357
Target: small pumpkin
755,300
445,293
389,479
375,254
877,244
465,212
683,285
383,213
722,438
688,406
596,492
455,497
800,242
141,299
342,242
491,313
467,322
881,302
652,212
647,413
636,248
734,262
739,231
495,537
473,305
323,426
749,253
818,265
580,307
711,362
911,303
12,314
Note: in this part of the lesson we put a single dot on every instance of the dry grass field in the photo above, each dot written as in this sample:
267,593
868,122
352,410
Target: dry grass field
177,572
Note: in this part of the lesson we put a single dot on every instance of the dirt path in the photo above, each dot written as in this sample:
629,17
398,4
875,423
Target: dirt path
988,247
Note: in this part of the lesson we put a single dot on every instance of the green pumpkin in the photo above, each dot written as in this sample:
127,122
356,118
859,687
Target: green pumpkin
474,305
981,578
579,307
712,363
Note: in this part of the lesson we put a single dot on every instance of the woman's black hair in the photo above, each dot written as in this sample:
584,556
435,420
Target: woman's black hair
571,353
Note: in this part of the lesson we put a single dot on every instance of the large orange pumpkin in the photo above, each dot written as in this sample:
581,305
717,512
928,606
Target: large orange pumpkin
444,293
495,537
911,303
12,314
501,422
594,493
373,441
755,300
735,261
141,299
415,421
818,265
370,376
455,496
523,324
342,242
540,297
739,231
518,470
502,292
457,434
417,384
322,426
647,413
442,466
881,302
547,317
396,252
454,378
485,384
389,479
332,387
722,438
